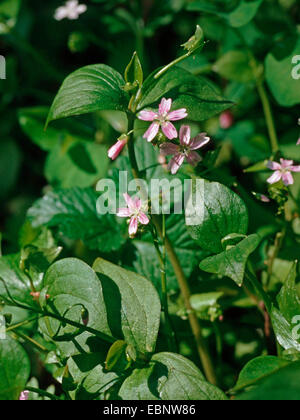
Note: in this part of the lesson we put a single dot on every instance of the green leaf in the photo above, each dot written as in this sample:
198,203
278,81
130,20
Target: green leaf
14,369
89,89
133,302
95,384
232,263
214,212
195,94
16,281
117,359
279,68
239,16
32,122
206,305
287,334
282,385
169,377
235,65
74,287
257,369
288,298
186,249
9,10
134,72
74,212
76,164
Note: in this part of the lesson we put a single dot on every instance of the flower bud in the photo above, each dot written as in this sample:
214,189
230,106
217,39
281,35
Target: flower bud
196,41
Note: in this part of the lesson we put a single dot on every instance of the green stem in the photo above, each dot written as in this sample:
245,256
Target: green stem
165,306
173,63
201,344
259,290
268,115
42,393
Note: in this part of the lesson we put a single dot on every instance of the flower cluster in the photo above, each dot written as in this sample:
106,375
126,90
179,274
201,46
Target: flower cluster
71,10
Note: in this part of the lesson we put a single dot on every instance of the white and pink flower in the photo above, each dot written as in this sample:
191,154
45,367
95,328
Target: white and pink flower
71,10
135,211
186,149
117,148
162,119
283,171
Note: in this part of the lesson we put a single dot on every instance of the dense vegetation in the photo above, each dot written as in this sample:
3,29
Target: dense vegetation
194,304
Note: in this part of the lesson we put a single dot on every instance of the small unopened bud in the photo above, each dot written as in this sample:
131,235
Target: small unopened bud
226,120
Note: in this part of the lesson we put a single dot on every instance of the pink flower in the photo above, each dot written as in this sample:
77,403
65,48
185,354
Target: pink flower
135,212
117,148
226,120
24,396
186,149
161,119
282,171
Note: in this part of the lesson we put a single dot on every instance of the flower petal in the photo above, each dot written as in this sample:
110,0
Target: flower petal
60,13
169,131
176,163
199,141
286,163
193,158
274,166
295,168
147,115
168,149
287,178
177,115
276,177
143,219
152,132
165,106
124,212
133,226
130,203
185,135
82,8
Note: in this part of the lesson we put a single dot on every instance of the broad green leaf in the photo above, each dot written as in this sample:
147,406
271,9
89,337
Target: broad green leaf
214,212
169,377
257,369
89,89
232,262
288,298
76,164
32,121
74,212
16,281
287,334
196,94
283,385
133,305
280,70
241,13
95,384
188,252
117,359
235,65
14,369
74,287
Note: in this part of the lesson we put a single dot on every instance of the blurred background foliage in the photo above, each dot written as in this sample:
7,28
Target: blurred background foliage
246,40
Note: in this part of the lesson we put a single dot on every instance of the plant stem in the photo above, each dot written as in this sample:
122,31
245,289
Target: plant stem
259,290
42,393
165,306
201,344
202,347
268,115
